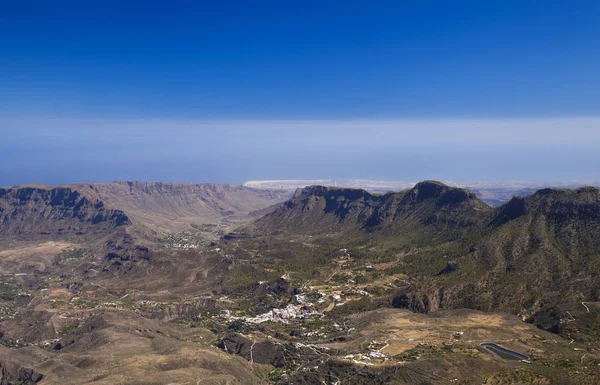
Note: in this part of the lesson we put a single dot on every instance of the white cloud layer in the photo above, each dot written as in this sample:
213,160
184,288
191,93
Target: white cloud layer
572,131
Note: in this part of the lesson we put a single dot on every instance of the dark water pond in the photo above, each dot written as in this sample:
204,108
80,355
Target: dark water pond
499,351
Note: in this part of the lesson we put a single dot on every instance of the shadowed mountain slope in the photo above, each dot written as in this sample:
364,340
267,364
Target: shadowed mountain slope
430,204
30,212
321,209
543,246
79,209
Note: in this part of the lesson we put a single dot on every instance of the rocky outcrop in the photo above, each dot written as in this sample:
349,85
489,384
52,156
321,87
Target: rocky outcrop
554,204
419,302
45,212
91,209
260,352
123,248
578,320
173,206
91,325
318,209
16,375
442,194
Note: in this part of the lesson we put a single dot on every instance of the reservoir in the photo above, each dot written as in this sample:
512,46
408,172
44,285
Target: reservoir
499,351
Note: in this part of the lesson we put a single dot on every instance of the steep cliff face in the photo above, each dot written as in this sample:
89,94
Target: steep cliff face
84,209
431,204
317,209
544,246
558,226
536,252
170,206
31,212
12,373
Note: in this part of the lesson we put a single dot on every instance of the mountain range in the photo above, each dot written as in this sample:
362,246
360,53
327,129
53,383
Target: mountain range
494,193
532,253
164,275
75,210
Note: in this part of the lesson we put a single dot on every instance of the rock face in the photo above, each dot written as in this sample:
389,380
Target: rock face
37,212
15,375
538,252
554,204
550,241
260,352
442,195
122,247
579,320
420,303
91,209
321,209
318,209
171,206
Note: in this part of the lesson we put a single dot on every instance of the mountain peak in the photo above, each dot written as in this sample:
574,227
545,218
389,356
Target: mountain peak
582,195
339,209
318,190
60,211
444,194
554,203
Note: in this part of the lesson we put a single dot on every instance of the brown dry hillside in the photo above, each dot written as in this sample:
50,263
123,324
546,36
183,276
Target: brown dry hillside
33,212
171,206
86,209
121,347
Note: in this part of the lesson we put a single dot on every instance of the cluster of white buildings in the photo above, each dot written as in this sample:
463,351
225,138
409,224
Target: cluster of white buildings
183,241
283,315
365,359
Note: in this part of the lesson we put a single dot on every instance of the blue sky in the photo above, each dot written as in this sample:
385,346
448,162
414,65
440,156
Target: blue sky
230,91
